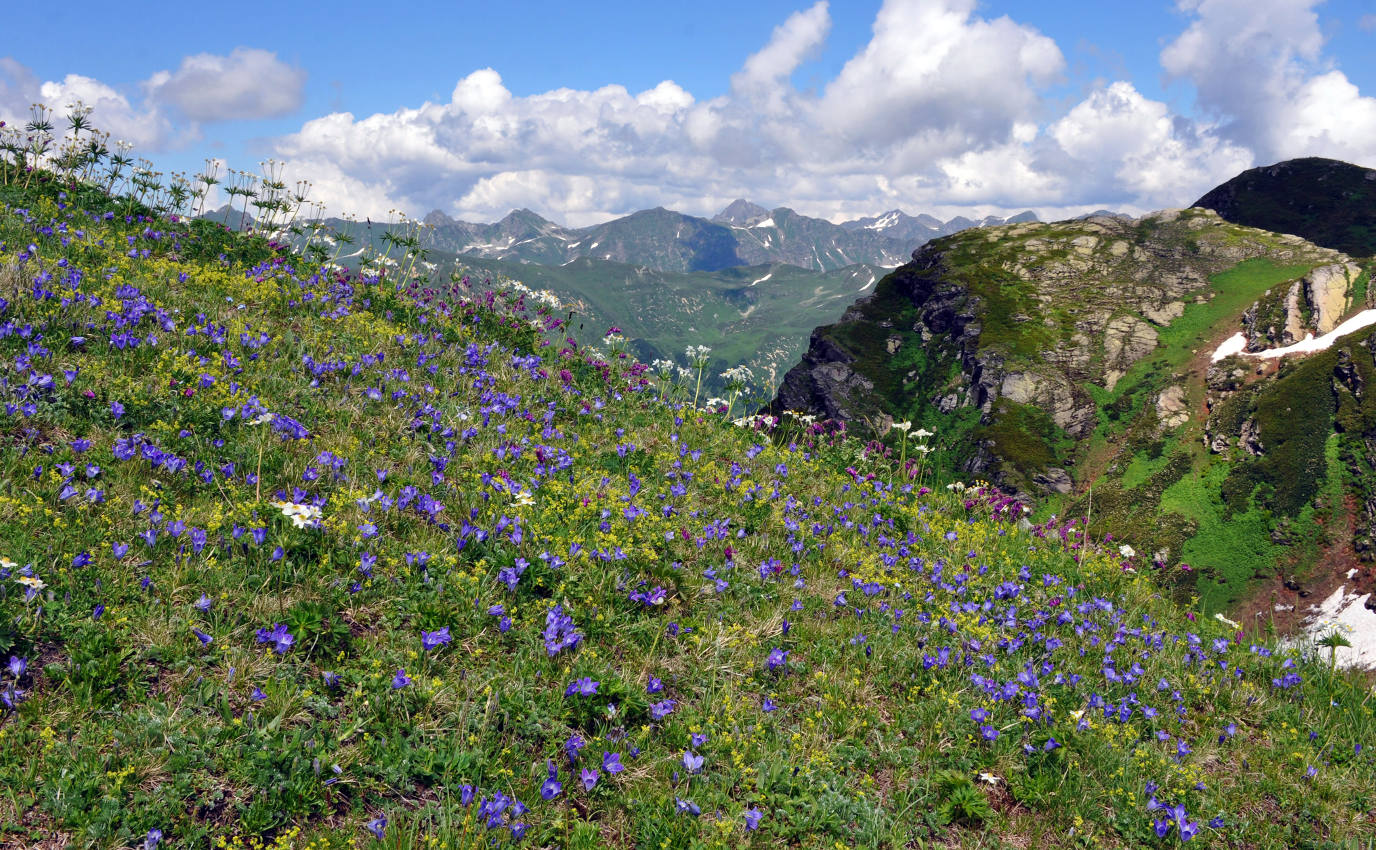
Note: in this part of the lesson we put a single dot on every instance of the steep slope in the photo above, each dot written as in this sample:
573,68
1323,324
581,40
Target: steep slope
293,559
1328,202
661,239
756,316
1070,361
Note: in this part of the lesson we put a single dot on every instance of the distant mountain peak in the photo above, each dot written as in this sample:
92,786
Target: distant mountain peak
741,213
437,218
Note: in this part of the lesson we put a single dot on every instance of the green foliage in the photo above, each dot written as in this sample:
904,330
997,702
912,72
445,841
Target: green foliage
306,578
961,802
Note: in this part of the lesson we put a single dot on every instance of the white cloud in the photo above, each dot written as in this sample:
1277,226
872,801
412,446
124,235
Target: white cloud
20,88
167,109
792,42
247,84
889,115
941,110
1258,67
934,80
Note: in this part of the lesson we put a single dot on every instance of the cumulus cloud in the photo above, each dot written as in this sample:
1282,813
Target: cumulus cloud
168,109
935,80
1257,66
940,110
249,83
143,125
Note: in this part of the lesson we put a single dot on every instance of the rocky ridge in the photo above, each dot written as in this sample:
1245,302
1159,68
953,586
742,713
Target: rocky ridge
1070,362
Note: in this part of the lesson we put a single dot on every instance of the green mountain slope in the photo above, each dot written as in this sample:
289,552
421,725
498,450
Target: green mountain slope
754,316
1071,361
299,559
1328,202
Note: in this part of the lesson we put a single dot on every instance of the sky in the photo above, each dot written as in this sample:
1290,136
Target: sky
586,111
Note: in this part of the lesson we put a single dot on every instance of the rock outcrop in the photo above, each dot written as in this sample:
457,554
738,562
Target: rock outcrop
1006,329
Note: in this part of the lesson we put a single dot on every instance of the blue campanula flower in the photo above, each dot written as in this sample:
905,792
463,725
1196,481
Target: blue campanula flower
437,638
551,787
611,763
582,686
377,826
662,709
400,680
278,636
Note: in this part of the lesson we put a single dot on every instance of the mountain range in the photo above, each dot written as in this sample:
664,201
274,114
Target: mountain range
750,283
743,234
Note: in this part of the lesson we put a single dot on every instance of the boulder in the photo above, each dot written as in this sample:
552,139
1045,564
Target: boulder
1172,408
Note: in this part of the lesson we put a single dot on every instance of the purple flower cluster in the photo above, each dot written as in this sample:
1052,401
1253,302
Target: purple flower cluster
560,633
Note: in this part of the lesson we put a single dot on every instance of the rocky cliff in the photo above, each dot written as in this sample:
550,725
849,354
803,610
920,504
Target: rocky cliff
1072,362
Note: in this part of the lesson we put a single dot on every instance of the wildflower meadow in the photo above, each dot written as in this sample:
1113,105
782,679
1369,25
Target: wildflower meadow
295,556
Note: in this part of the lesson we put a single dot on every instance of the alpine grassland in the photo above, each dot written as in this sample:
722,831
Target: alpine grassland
299,557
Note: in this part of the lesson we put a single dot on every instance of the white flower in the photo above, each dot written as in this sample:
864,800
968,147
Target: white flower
7,564
524,499
902,426
1225,621
261,419
985,776
301,516
923,433
1127,551
740,374
31,581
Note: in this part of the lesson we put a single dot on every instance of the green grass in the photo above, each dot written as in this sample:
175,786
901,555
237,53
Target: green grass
940,675
1145,464
1227,549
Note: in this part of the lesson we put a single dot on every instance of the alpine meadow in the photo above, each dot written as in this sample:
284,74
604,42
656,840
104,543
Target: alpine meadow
1020,523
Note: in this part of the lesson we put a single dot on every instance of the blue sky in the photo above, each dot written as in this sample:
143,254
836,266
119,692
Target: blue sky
841,109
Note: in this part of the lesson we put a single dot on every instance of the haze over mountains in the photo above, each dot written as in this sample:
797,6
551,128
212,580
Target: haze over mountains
743,234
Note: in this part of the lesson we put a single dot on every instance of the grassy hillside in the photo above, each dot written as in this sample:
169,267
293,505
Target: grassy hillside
756,316
1326,201
1070,361
299,559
